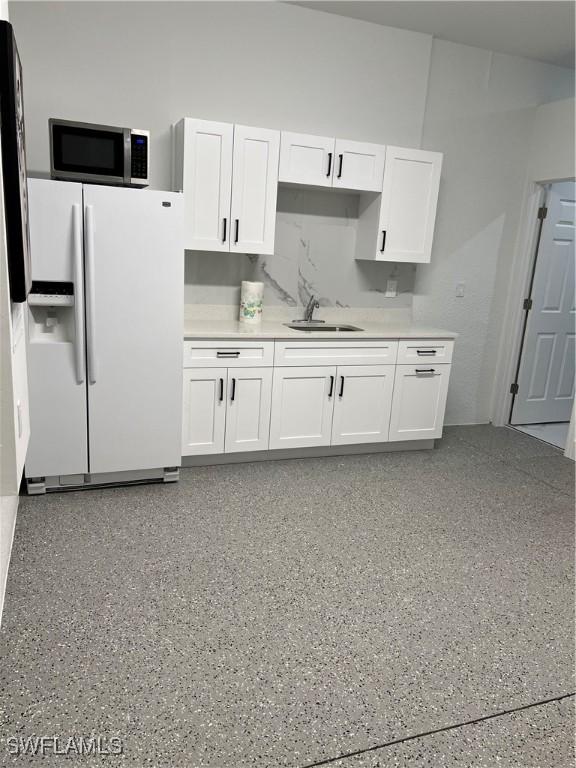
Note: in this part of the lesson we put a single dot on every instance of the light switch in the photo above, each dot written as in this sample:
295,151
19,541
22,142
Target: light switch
460,290
391,289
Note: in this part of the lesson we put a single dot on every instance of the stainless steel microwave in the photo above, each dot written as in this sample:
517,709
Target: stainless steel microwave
99,154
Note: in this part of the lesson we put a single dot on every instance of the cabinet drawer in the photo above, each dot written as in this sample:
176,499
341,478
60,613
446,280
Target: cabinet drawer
228,354
419,402
335,353
425,350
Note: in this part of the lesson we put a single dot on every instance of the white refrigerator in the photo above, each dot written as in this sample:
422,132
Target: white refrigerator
104,334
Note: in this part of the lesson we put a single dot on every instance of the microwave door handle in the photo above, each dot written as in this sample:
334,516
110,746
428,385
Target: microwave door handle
127,155
90,295
79,351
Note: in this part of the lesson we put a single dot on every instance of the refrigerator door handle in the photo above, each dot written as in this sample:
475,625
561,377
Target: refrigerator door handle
79,352
90,295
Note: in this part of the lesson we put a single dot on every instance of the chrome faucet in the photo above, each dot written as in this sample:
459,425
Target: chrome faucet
310,307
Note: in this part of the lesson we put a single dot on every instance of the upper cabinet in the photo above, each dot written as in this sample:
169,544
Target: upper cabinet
229,177
406,212
254,190
358,165
327,162
306,159
203,171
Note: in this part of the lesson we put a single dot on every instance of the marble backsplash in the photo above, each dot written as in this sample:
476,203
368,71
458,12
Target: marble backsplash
315,241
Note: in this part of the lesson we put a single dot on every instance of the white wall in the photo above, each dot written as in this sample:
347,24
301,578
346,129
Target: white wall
282,66
267,64
552,149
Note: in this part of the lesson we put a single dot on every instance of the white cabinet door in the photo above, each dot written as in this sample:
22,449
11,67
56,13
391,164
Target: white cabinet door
254,190
203,171
362,403
302,404
408,208
419,401
358,165
248,410
204,410
306,159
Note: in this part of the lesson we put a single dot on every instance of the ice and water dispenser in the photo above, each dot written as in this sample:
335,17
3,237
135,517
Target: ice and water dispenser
51,312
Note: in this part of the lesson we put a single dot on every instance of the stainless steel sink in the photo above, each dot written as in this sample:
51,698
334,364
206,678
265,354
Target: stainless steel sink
314,326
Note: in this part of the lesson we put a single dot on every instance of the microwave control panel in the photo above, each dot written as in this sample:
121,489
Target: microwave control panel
139,156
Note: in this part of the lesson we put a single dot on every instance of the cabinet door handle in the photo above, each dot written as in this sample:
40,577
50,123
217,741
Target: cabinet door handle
425,352
227,354
329,164
237,225
425,370
383,241
331,391
221,398
224,227
340,161
341,386
233,393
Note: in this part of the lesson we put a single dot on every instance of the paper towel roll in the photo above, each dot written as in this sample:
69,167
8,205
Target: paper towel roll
251,302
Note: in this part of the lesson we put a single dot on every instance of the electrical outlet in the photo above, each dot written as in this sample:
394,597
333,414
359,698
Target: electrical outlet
460,290
391,289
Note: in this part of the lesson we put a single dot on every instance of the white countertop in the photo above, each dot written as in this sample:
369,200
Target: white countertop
275,329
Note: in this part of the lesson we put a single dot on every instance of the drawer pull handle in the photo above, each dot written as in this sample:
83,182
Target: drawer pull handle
221,398
425,370
341,386
233,393
331,392
425,352
227,354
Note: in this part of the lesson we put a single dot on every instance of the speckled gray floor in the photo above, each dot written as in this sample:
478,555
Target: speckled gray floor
289,613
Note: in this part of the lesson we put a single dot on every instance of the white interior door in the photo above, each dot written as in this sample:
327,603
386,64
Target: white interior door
419,401
135,305
362,404
206,182
248,410
254,190
203,410
358,165
546,377
56,357
408,208
306,159
302,404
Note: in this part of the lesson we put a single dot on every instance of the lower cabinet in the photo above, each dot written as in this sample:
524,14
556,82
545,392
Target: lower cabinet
302,403
225,410
248,409
419,402
362,403
235,407
331,405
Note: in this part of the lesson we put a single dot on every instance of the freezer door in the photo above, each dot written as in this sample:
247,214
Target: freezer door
56,356
134,323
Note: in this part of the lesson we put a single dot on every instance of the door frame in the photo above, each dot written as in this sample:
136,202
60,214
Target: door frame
522,268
